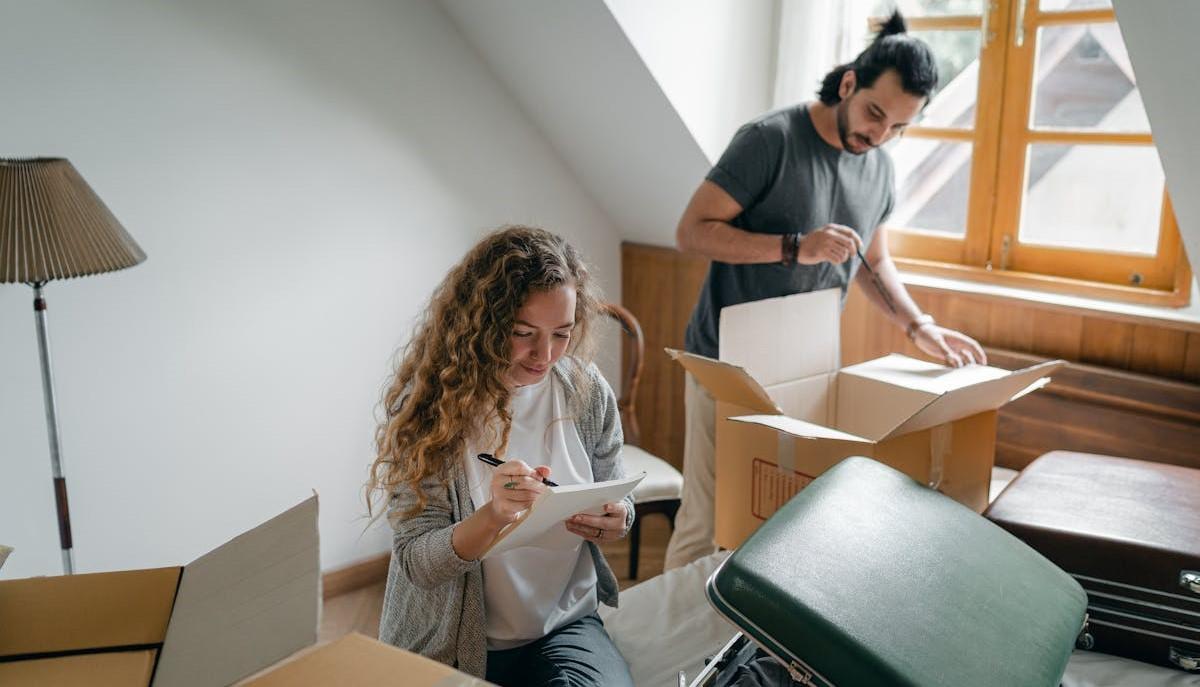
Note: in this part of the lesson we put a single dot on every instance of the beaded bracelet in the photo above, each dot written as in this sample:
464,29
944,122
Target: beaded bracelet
790,248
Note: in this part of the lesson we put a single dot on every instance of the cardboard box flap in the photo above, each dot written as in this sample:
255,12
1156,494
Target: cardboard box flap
932,379
247,603
106,669
726,382
41,615
361,660
781,339
977,398
799,428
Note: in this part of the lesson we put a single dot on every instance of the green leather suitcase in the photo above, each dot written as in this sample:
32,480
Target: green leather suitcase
868,578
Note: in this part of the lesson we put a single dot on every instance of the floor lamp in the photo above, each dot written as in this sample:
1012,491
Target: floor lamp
53,226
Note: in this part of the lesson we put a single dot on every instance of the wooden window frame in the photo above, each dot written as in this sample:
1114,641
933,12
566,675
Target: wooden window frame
990,249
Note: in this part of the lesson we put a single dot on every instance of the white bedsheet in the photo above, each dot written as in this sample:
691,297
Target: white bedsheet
665,625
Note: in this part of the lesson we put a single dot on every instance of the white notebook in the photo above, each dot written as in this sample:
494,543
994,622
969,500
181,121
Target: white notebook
543,524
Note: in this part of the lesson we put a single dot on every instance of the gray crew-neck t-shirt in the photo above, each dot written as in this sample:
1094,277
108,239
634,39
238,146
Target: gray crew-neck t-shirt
787,179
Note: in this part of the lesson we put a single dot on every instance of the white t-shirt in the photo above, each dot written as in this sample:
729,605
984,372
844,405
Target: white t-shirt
528,592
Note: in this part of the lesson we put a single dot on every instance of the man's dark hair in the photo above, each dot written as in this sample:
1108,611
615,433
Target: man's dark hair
894,49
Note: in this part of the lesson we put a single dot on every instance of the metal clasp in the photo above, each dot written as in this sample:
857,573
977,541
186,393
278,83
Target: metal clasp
1190,580
798,673
1189,662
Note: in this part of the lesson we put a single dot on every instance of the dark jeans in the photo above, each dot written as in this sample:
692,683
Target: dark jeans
577,654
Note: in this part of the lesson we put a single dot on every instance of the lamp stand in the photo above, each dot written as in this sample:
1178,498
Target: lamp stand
60,481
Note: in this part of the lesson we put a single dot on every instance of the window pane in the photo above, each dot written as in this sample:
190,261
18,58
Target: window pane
1060,5
1085,81
957,55
926,8
933,180
1101,197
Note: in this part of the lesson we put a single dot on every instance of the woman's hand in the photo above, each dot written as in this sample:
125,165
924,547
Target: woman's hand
600,528
515,486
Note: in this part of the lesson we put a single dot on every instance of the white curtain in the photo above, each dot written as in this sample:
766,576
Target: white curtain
814,37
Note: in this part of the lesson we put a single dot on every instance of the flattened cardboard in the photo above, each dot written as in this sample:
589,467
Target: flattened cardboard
750,336
74,612
247,603
111,669
368,661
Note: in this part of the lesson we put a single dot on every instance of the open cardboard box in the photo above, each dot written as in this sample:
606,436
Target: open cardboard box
359,660
786,412
230,613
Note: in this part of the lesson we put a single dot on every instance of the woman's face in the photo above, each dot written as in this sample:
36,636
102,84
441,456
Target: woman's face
541,334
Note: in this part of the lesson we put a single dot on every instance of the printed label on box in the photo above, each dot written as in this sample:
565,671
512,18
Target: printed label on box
772,486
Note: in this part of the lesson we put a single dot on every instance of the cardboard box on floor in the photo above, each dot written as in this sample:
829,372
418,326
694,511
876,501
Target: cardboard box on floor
235,610
786,412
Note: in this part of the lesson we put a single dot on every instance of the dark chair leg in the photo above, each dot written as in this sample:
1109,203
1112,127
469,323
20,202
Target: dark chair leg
671,510
635,545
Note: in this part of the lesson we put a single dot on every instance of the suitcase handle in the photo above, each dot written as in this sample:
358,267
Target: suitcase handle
1190,580
1189,662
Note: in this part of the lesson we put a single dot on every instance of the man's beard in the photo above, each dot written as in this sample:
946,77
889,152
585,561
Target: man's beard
843,125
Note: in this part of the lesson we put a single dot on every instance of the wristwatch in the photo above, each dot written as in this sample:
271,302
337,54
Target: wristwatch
920,321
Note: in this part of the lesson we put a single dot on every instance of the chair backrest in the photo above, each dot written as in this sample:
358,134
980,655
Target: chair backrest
633,347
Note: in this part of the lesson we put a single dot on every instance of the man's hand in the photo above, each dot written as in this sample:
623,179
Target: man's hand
955,348
831,243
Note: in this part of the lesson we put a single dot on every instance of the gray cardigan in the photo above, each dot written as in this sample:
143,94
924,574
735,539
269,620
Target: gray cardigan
433,604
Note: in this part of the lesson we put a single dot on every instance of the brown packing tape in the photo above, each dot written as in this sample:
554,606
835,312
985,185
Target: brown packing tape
941,439
786,453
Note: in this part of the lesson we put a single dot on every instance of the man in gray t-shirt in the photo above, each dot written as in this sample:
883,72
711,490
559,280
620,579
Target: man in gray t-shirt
797,198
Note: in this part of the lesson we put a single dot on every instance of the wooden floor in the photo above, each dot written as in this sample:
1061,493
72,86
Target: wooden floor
358,611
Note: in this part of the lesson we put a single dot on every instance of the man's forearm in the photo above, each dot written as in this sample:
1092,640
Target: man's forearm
889,279
724,242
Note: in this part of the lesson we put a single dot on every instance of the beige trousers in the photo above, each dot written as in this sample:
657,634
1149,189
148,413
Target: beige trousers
693,537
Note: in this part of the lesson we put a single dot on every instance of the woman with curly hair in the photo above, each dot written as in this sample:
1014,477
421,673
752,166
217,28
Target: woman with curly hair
501,364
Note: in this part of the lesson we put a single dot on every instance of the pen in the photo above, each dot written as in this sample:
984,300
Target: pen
491,460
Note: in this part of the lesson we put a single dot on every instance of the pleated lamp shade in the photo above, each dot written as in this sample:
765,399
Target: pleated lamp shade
53,226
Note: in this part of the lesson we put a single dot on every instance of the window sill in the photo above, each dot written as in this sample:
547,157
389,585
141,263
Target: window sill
1185,318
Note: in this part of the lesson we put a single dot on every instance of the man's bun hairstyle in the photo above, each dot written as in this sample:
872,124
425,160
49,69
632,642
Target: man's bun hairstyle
892,48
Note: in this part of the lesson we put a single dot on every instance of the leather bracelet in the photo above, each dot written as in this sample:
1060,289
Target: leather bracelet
920,321
790,249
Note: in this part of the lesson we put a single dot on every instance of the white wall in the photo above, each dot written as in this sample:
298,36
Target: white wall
301,174
714,59
1160,37
580,80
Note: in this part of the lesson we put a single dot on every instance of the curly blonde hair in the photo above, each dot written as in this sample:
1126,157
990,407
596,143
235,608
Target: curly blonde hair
451,380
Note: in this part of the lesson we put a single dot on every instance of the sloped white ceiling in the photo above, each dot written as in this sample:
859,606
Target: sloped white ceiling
582,82
1161,39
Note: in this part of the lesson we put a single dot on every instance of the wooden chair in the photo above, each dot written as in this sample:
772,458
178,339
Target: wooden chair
662,489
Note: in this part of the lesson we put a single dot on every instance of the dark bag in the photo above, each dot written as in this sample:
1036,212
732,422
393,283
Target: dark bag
867,578
1129,532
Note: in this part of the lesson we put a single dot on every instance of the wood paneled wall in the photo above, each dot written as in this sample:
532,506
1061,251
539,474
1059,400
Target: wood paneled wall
660,287
1050,331
1132,389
